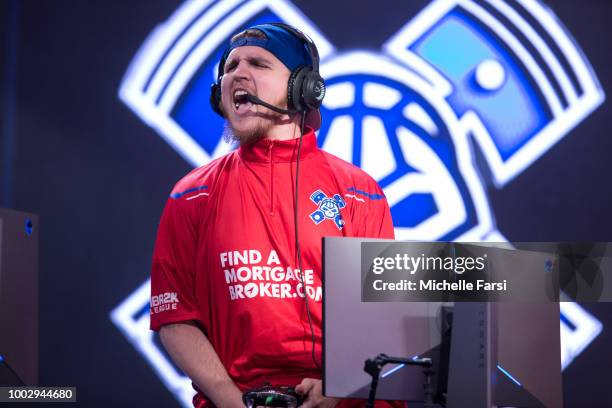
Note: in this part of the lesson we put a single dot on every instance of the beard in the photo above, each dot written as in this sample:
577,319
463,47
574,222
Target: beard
243,137
265,121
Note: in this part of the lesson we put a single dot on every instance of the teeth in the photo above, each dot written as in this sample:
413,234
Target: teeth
240,97
239,93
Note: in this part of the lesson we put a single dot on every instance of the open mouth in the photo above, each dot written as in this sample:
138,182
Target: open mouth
241,103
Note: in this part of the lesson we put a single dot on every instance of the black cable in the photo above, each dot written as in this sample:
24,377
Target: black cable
297,242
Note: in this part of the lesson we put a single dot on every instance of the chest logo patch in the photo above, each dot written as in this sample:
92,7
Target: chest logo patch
328,208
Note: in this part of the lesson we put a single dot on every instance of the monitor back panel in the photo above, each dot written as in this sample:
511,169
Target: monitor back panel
19,293
354,331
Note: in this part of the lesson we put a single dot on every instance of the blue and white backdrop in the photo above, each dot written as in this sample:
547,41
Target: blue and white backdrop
481,120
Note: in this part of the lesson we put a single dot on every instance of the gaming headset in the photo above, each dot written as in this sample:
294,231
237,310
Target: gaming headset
305,88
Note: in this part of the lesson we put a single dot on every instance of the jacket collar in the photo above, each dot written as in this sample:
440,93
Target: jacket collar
280,151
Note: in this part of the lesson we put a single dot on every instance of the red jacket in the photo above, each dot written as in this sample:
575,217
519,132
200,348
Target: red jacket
225,253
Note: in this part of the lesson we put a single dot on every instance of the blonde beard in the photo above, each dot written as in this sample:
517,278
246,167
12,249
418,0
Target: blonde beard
230,135
270,118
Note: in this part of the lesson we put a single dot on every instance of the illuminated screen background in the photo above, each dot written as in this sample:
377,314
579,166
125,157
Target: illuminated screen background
79,150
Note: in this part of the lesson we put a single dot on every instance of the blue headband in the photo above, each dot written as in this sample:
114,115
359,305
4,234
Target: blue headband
285,46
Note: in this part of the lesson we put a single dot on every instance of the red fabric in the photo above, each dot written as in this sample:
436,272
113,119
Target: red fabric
225,254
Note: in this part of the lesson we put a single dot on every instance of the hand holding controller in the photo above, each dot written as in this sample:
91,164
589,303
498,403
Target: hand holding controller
270,396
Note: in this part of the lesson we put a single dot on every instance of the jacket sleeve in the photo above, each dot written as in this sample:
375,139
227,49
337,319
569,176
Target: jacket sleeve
173,271
375,216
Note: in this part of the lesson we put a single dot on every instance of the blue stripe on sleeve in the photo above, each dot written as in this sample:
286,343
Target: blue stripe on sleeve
365,194
191,190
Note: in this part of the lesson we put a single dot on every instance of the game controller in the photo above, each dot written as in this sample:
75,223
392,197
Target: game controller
271,396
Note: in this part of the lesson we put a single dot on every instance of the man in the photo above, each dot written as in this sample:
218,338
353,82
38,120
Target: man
229,298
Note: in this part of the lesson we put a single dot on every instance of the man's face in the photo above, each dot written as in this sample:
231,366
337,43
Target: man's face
256,71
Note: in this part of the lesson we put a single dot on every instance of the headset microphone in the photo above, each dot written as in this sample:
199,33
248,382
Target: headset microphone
255,100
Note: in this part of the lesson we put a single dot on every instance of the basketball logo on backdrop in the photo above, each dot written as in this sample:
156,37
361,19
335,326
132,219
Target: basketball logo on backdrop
328,208
417,115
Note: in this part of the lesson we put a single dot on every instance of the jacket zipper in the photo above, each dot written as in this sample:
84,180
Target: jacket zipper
271,178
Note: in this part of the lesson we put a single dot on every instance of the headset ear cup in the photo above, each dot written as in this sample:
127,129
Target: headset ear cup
215,99
313,90
295,89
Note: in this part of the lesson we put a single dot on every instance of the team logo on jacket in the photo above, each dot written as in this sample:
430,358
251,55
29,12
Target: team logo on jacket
426,115
328,208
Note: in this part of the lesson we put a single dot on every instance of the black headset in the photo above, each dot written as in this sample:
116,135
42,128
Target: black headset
305,88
